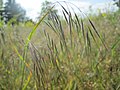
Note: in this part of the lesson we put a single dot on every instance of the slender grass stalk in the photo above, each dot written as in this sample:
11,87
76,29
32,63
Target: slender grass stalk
26,49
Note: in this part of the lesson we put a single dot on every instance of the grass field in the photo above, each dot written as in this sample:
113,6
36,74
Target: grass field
69,53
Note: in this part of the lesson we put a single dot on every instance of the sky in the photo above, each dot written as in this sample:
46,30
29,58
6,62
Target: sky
33,7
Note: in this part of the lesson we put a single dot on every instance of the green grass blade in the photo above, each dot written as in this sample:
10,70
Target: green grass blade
34,29
114,45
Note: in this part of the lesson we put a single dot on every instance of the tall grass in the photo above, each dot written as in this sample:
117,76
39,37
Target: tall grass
70,53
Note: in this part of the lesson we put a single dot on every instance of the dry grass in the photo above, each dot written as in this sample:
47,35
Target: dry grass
67,53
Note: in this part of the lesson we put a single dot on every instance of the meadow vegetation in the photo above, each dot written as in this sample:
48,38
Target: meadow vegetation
63,53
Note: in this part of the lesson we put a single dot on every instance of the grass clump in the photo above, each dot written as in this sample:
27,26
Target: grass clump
65,53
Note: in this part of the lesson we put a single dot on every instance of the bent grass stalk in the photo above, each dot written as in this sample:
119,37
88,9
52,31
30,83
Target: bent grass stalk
26,48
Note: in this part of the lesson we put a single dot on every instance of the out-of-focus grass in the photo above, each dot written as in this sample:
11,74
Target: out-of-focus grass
63,54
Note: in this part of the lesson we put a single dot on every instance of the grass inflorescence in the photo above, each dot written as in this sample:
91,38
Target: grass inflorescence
68,52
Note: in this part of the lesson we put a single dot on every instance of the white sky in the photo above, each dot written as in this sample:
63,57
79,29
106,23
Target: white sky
33,7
